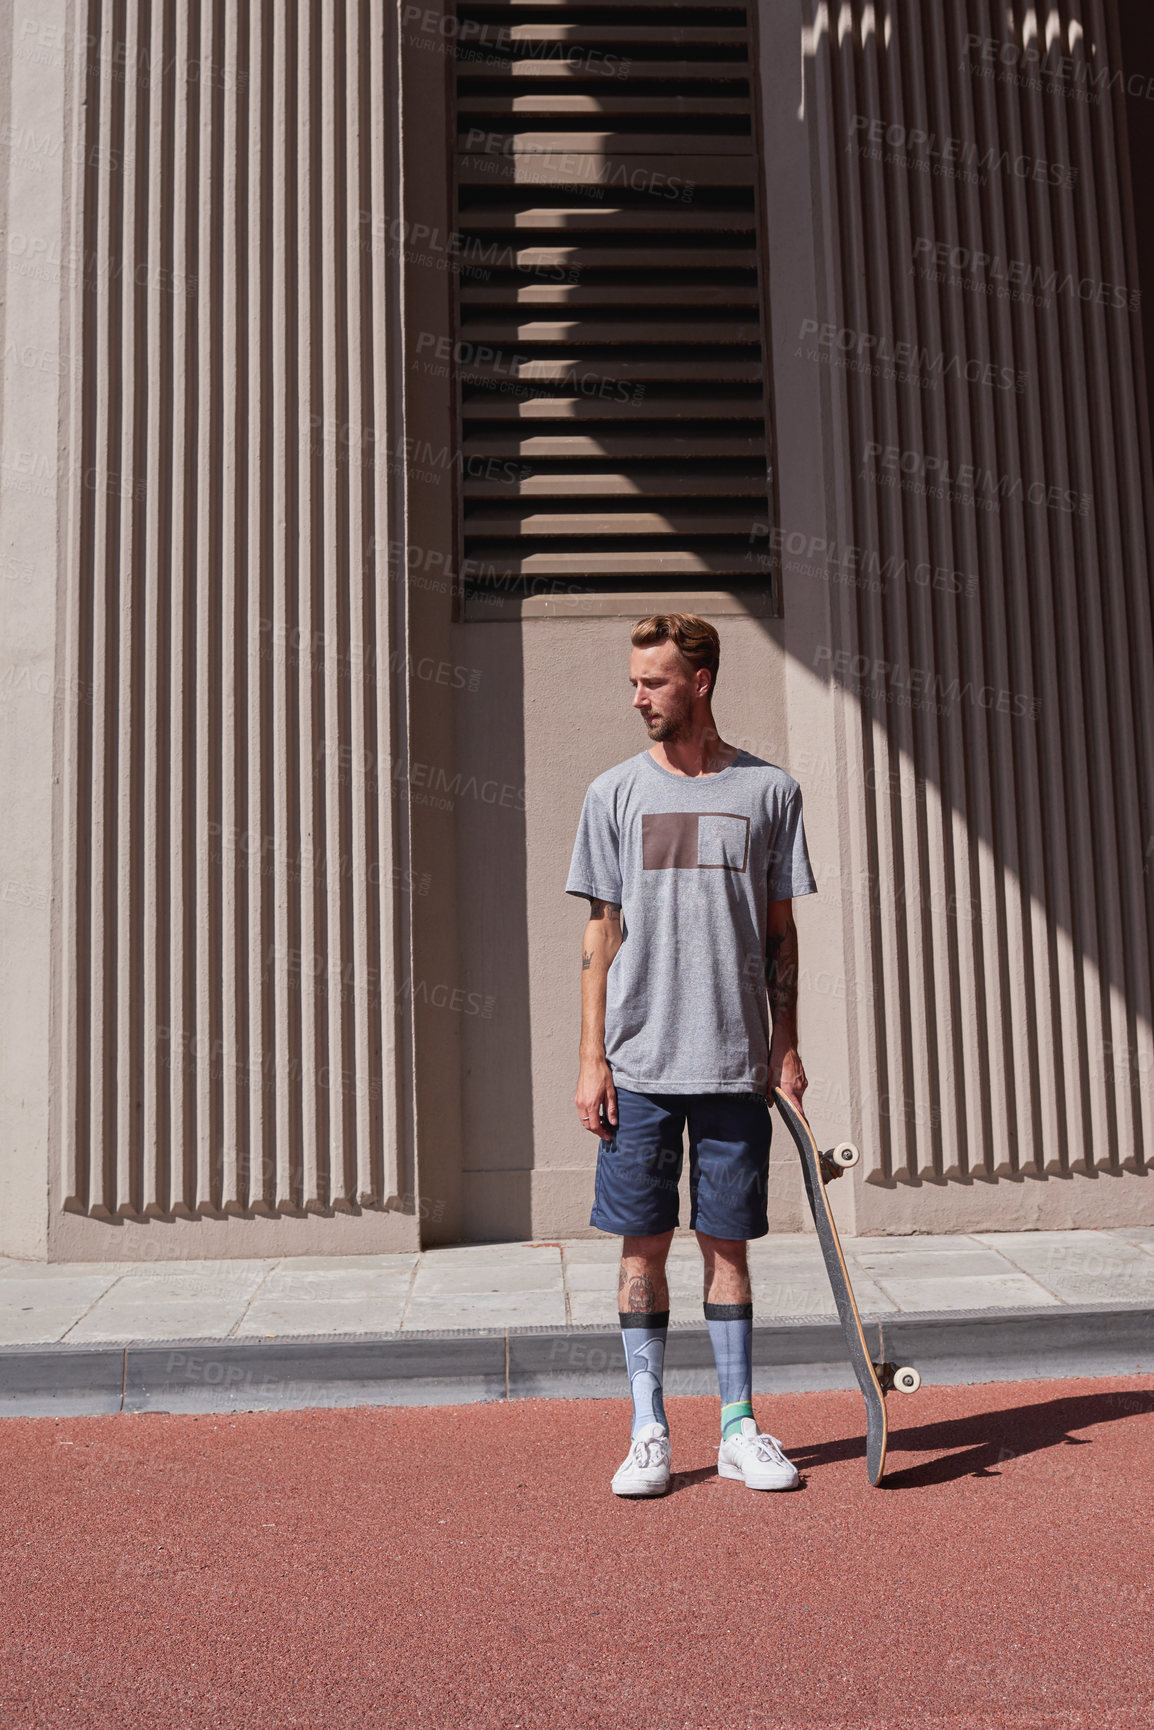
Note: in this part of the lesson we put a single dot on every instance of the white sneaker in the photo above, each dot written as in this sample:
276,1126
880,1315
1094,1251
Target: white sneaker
756,1459
645,1469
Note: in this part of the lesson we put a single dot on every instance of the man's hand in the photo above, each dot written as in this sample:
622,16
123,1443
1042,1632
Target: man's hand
787,1071
595,1091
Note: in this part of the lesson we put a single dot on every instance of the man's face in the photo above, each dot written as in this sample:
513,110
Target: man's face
664,691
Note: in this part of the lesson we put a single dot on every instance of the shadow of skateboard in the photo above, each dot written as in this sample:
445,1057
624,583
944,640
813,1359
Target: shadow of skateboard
874,1379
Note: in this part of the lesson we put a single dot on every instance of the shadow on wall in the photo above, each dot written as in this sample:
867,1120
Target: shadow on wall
988,576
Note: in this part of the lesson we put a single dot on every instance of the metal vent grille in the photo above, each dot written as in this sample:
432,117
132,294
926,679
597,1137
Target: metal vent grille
609,355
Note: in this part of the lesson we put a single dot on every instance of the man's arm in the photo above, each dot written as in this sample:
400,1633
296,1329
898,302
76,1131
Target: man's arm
595,1088
781,974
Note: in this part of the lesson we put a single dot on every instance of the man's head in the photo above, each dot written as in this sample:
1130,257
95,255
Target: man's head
673,671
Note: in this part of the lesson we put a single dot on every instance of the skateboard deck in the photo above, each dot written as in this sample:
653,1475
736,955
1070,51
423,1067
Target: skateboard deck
874,1379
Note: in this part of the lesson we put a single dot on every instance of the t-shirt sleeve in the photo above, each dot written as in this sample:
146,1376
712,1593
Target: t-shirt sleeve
595,871
790,872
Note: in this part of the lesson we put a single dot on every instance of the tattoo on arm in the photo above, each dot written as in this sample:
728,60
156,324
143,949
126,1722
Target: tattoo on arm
586,960
605,910
781,970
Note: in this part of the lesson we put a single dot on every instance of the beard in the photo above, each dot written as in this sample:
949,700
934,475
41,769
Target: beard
674,725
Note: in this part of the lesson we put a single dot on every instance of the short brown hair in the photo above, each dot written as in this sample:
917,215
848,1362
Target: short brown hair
695,639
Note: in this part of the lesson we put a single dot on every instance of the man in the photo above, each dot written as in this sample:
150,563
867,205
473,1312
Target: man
690,854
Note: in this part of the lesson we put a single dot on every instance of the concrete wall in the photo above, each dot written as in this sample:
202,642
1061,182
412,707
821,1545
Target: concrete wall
240,861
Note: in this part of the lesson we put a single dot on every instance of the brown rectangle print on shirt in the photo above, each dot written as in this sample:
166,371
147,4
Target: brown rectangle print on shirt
694,841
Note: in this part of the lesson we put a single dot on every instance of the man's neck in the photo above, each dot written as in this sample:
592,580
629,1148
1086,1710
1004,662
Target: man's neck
701,752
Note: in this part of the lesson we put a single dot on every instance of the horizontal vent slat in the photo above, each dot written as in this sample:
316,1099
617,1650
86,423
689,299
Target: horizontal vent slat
630,257
684,562
580,168
623,370
627,146
674,71
611,294
615,445
544,102
566,524
685,219
644,407
689,481
596,330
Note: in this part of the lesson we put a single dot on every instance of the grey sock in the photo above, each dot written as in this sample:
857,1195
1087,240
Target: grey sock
731,1333
643,1337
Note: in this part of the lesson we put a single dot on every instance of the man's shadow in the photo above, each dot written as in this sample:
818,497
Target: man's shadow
986,1440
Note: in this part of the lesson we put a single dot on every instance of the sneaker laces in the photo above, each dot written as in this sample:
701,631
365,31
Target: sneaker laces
650,1452
767,1447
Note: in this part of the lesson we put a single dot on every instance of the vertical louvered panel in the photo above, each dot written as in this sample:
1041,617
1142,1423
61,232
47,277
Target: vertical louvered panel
609,294
231,856
1008,923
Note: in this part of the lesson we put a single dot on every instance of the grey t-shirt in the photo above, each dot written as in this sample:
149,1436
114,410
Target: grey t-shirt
692,861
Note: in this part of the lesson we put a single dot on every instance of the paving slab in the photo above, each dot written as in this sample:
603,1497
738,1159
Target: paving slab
1141,1235
85,1283
1095,1269
490,1309
178,1319
965,1261
398,1262
990,1292
38,1326
465,1282
70,1291
278,1316
182,1281
333,1284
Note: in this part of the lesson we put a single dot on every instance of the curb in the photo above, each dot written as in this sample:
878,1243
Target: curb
794,1355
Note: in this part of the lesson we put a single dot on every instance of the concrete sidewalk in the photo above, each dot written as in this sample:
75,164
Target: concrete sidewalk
556,1286
539,1320
553,1285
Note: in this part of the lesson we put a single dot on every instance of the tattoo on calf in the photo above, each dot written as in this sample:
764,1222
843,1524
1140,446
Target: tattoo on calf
636,1293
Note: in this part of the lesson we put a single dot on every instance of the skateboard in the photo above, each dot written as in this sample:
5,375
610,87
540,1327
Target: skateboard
874,1379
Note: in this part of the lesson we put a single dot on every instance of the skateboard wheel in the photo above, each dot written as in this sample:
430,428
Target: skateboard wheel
845,1154
907,1380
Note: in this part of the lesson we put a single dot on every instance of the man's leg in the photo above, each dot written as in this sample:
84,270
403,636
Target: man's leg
729,1318
643,1311
729,1166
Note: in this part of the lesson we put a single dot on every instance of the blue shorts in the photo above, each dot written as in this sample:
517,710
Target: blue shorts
638,1170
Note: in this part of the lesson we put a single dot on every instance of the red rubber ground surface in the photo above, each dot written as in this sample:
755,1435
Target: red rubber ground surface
469,1567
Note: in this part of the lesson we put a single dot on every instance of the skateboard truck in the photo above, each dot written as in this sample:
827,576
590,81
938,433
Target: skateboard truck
902,1377
837,1159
